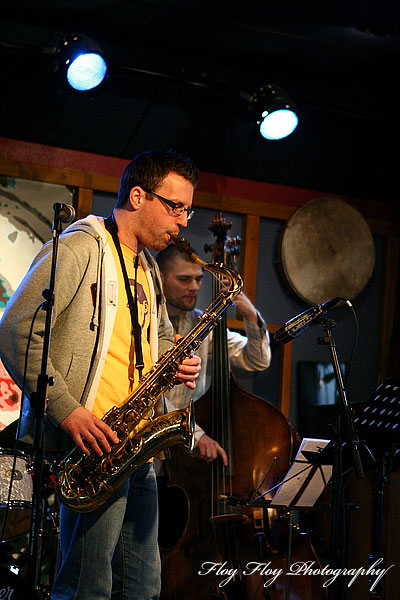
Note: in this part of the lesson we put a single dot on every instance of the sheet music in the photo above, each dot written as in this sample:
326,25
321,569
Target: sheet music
304,477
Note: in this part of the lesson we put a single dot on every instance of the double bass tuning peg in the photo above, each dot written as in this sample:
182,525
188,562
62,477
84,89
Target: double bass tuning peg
233,245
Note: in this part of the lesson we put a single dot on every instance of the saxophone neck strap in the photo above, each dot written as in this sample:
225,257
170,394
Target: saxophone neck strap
112,227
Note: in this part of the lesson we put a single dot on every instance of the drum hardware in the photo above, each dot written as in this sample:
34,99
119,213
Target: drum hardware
16,488
14,552
15,479
15,493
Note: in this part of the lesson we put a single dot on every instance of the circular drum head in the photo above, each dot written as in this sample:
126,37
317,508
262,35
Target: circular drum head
22,485
327,250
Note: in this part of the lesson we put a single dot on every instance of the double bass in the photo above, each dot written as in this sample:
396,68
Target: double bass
217,540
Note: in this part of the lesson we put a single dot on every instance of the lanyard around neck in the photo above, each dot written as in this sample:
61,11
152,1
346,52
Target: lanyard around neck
111,226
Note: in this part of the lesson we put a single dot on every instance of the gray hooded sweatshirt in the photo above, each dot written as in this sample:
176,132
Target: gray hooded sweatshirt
85,305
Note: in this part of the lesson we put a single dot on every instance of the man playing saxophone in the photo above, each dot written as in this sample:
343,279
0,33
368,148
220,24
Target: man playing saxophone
101,344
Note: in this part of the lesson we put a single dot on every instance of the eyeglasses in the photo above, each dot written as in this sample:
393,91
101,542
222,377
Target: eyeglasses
176,208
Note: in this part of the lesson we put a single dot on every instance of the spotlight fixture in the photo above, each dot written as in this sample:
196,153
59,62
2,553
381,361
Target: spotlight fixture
80,61
278,117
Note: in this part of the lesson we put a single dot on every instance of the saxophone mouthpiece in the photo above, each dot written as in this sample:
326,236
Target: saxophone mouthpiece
184,248
181,244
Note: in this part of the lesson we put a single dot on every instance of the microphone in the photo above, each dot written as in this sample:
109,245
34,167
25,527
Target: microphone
65,212
301,322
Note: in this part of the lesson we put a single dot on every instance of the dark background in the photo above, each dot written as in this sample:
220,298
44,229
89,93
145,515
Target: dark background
177,69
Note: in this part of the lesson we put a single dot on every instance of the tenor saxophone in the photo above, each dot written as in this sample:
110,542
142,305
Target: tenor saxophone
85,482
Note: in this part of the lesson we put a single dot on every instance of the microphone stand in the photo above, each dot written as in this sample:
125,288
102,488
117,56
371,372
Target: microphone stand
38,402
337,471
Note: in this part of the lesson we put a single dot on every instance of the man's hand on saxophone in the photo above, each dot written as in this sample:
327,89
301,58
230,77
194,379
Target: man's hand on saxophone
189,369
88,431
91,433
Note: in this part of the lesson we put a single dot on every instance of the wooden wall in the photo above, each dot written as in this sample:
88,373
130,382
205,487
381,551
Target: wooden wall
254,201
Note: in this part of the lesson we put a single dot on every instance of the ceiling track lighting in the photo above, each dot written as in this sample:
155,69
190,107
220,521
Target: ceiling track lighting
79,61
277,116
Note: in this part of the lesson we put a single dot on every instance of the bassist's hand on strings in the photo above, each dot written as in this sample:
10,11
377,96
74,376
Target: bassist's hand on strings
209,449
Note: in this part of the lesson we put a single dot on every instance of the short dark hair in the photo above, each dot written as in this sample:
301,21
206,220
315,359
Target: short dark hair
166,256
150,168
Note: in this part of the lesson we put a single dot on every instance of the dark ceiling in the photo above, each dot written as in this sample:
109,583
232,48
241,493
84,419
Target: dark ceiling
176,70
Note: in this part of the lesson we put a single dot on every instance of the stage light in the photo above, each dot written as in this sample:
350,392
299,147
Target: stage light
278,117
80,61
278,124
86,71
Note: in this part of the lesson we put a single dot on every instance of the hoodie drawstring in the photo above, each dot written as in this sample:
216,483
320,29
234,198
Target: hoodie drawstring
94,321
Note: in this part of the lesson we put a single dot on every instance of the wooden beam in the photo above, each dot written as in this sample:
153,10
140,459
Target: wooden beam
107,183
93,171
74,178
251,231
83,203
285,373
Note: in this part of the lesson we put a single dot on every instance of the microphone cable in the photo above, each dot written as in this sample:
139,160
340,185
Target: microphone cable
355,339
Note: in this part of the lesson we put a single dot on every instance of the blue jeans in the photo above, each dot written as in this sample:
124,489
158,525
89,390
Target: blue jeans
112,552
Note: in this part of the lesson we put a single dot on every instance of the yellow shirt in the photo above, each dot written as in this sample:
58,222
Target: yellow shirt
119,377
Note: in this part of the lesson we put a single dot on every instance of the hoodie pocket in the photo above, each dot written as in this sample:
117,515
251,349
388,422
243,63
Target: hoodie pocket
76,373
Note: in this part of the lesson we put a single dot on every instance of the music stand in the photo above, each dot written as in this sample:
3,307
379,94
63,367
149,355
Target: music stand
306,478
302,485
378,419
378,424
